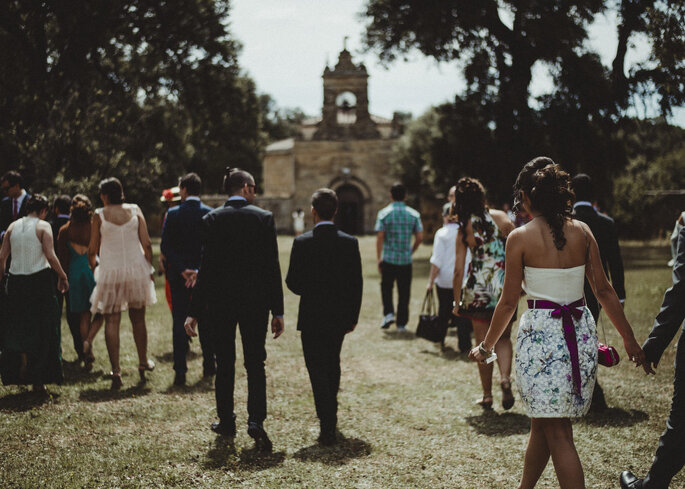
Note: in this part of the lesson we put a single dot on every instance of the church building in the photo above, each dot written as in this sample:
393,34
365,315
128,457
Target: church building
346,149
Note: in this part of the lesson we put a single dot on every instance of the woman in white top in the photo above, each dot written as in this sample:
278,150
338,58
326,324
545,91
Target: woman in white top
441,274
31,344
556,349
124,275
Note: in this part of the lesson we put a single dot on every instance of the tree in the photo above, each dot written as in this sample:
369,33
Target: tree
279,123
140,89
499,43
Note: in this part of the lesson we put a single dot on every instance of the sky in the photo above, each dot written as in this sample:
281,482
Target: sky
287,43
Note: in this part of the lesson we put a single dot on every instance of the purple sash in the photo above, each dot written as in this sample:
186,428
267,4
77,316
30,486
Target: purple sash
566,313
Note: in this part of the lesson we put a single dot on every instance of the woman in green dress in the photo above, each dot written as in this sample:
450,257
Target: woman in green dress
31,350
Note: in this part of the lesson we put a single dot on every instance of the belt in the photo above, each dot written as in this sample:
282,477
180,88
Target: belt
566,312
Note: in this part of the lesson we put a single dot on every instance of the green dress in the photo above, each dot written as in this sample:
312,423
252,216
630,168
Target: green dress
81,281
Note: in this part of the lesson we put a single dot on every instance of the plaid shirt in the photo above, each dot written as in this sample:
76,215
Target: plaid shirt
398,221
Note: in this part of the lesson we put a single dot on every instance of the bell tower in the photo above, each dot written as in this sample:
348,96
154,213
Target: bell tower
345,113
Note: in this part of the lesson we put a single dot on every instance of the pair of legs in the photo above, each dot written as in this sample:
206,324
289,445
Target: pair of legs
552,437
112,322
322,357
445,299
504,351
402,275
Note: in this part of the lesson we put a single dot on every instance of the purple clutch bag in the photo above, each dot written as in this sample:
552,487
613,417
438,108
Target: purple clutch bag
607,355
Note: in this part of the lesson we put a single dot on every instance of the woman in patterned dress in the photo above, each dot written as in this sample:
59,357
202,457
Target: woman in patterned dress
482,231
556,350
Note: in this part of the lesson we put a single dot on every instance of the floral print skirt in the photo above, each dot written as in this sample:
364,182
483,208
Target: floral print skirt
543,365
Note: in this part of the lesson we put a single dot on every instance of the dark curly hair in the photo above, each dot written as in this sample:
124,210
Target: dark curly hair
549,190
81,208
469,200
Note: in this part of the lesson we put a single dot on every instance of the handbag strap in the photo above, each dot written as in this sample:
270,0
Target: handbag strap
430,301
588,260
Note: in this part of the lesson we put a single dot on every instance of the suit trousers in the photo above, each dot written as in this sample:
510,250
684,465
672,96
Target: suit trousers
253,327
73,321
445,300
670,454
402,275
322,358
180,306
598,400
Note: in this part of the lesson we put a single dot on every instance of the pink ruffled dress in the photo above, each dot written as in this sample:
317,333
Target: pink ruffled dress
122,278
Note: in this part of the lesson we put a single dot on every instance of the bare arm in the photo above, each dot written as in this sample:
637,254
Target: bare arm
459,271
144,236
380,237
418,238
432,276
503,222
94,245
5,250
609,300
62,250
44,234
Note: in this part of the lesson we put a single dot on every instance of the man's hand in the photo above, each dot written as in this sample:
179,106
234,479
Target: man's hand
351,329
62,284
380,266
190,277
190,325
277,327
429,286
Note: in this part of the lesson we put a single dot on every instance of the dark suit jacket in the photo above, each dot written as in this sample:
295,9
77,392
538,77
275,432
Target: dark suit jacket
56,224
672,312
326,271
182,236
604,231
239,267
6,212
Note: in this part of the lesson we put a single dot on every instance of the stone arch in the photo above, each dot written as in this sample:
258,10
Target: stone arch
353,199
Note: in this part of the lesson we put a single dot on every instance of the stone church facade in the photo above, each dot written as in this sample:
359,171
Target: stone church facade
346,149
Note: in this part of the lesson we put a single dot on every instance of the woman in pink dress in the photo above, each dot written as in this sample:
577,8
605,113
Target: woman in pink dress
124,273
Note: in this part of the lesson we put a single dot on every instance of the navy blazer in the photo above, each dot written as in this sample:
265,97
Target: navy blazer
6,212
182,236
326,272
672,312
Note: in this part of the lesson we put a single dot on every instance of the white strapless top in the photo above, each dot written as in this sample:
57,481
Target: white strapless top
560,285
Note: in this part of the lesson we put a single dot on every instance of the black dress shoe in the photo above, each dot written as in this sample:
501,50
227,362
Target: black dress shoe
180,379
225,428
629,481
257,432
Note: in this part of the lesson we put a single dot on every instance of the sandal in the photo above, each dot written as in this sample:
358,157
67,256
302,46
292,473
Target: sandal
507,396
145,367
89,358
116,381
485,402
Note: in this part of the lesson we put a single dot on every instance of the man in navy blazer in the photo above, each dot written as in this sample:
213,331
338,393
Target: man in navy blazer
13,206
326,272
182,247
670,454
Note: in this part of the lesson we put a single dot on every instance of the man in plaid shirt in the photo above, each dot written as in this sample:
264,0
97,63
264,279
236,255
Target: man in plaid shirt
395,225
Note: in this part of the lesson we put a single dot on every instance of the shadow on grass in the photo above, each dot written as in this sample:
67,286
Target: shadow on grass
399,335
25,401
338,454
616,417
448,353
205,384
74,373
168,357
223,454
491,423
104,395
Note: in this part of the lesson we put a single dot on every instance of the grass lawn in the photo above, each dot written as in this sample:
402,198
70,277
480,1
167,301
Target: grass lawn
406,409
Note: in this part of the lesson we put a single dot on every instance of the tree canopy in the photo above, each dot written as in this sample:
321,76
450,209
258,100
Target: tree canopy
139,89
495,125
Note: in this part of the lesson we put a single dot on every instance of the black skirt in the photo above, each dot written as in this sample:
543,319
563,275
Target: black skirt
31,343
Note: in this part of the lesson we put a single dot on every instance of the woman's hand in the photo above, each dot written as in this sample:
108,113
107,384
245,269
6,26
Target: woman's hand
62,284
476,355
637,356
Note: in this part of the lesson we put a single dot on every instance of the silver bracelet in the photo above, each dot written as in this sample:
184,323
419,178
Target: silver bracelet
483,351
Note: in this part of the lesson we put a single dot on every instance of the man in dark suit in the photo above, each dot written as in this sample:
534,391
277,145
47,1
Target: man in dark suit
182,247
326,272
670,454
13,206
604,231
60,216
238,283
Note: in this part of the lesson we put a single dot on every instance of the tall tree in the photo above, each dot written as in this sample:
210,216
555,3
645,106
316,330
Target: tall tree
140,89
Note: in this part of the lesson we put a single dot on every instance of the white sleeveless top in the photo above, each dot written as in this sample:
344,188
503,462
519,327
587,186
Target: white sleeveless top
119,245
27,250
560,285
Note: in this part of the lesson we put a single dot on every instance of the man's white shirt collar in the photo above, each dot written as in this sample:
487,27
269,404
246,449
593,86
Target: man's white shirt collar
237,197
193,197
582,202
323,222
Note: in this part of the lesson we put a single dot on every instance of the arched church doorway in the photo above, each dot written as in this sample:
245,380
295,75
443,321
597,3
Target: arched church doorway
350,216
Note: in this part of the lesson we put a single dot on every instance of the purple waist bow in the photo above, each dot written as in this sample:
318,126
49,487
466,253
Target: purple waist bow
566,313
